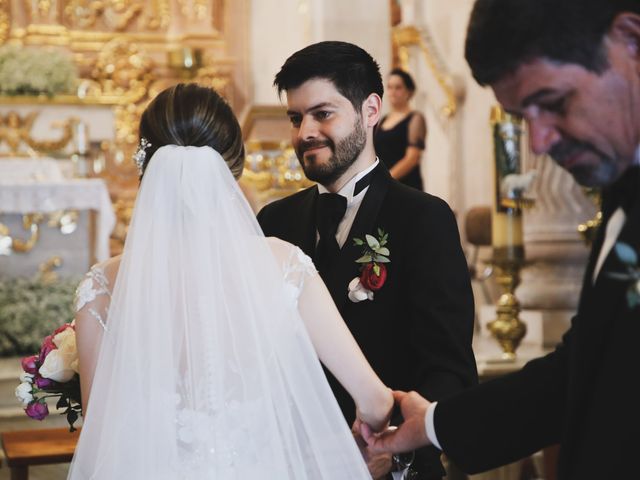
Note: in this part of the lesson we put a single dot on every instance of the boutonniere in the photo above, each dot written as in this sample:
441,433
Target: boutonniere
373,269
629,257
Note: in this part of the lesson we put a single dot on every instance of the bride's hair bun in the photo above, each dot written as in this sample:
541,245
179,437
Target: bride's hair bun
188,114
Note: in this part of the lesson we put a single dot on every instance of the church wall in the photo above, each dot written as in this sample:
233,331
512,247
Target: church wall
280,28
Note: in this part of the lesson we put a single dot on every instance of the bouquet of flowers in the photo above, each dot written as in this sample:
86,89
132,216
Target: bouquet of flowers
52,373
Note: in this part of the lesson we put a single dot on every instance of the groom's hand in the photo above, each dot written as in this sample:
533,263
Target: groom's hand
411,434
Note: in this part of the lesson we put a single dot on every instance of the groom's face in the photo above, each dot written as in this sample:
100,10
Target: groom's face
327,134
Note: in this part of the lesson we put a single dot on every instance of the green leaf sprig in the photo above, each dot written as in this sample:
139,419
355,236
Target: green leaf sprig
374,250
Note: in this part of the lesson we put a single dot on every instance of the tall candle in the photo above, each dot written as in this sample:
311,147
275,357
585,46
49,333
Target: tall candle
506,220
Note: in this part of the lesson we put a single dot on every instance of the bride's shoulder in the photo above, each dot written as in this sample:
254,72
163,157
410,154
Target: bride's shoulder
288,254
108,268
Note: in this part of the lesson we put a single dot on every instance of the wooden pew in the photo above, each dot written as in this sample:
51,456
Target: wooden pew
24,448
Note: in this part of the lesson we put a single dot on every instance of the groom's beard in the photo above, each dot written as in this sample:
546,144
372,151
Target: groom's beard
344,153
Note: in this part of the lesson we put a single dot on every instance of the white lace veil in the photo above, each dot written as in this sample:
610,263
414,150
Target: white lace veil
206,370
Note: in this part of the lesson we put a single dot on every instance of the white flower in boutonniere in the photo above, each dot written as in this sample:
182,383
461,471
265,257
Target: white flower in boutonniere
629,257
373,271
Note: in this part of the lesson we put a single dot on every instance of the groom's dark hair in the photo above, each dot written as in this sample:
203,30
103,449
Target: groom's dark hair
353,72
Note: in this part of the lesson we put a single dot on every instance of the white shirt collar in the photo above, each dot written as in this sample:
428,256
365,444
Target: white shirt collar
636,161
347,190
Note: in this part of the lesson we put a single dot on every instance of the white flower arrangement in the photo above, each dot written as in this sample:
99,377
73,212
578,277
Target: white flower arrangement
30,308
31,71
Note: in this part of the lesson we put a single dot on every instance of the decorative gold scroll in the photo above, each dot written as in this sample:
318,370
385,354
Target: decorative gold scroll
405,37
15,131
5,20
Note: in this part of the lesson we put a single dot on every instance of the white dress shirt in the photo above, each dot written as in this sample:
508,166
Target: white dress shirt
613,229
353,204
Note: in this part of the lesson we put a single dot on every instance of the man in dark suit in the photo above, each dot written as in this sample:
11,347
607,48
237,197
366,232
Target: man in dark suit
572,69
413,315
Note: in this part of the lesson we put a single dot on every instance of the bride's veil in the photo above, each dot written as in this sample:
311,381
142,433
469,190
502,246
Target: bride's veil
206,370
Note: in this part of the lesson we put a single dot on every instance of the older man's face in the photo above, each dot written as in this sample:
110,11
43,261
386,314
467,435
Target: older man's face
588,123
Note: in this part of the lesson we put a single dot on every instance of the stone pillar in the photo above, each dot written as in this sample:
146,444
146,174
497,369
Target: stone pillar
556,253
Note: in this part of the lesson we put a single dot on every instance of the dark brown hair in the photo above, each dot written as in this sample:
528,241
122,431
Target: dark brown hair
353,72
193,115
407,80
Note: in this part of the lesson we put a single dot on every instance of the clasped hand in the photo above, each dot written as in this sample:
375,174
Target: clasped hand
409,435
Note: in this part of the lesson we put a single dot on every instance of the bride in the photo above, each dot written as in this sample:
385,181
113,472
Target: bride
199,345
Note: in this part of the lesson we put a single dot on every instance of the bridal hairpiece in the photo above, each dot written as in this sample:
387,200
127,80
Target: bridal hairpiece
141,154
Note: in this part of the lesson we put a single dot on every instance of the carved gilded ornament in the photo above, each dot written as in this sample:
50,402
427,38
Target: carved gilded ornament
115,14
194,9
40,10
15,131
5,20
410,36
122,70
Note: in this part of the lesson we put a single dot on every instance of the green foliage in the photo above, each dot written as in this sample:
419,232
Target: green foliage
30,309
31,71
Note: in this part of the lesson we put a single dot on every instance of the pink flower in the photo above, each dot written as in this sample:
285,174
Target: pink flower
37,410
29,364
47,346
42,382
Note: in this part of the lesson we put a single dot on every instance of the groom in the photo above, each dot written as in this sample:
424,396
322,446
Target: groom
408,302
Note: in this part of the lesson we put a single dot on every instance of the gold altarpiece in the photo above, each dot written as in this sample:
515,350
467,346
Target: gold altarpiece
125,52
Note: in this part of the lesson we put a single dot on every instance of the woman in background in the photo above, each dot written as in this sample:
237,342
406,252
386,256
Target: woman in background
401,134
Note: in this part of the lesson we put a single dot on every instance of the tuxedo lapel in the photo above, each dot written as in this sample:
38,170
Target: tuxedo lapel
303,228
601,304
344,267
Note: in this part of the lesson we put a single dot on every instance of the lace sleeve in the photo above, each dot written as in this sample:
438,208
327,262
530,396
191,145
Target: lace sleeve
417,131
93,296
298,268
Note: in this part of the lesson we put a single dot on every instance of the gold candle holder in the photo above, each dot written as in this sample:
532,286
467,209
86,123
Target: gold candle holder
185,61
507,231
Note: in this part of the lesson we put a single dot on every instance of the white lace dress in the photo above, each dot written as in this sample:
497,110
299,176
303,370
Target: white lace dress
232,437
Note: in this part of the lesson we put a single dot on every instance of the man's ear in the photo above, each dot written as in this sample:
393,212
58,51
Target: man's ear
625,29
371,109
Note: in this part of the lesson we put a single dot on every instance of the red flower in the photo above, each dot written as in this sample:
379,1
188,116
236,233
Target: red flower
29,364
62,328
47,346
37,410
373,276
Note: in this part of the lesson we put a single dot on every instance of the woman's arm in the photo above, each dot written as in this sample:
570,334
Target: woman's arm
92,305
417,134
339,352
88,338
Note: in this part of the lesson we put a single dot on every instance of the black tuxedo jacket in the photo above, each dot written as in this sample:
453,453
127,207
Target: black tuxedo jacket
417,331
584,395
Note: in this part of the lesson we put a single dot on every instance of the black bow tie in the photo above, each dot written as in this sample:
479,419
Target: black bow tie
330,210
623,193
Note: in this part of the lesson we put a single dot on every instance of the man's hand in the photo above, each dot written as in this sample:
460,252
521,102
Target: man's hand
411,434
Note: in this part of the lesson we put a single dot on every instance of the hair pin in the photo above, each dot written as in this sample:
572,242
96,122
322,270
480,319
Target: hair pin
141,154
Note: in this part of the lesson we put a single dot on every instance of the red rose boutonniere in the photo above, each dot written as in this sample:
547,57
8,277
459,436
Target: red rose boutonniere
373,272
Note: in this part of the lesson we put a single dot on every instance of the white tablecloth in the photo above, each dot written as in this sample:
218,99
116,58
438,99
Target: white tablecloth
48,196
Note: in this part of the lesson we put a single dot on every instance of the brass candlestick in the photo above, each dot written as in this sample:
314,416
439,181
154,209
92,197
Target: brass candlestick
508,329
507,231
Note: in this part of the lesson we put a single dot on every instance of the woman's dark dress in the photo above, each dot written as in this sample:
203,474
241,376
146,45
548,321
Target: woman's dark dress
391,146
